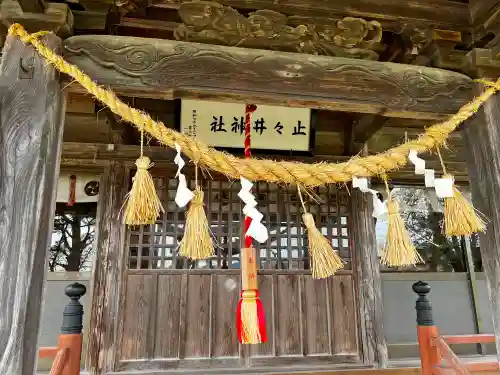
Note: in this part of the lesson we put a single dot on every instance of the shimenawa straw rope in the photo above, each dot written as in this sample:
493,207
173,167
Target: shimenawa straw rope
307,175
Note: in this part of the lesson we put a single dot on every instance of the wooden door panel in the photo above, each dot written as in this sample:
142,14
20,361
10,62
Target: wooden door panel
225,297
136,315
186,319
267,292
168,315
315,319
343,315
197,317
288,326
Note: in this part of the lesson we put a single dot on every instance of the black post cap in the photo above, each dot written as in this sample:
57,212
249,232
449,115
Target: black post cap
73,312
421,287
75,291
423,305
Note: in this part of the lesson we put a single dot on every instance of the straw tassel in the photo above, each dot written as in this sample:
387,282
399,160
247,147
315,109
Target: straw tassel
325,261
197,241
460,218
399,250
250,318
142,203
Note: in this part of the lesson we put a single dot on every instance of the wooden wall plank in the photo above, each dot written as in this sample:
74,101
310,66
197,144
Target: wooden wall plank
31,127
136,317
344,328
172,69
197,338
226,294
168,316
288,331
315,316
267,296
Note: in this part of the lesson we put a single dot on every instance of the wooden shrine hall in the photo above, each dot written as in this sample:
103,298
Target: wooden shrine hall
330,79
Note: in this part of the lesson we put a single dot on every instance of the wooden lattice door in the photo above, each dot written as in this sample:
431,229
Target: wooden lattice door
179,313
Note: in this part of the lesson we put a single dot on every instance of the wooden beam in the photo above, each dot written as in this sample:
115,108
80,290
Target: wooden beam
361,131
108,271
33,6
169,69
55,17
31,128
482,137
437,13
369,286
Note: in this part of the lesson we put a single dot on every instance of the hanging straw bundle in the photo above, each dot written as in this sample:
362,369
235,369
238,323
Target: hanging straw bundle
460,218
399,250
325,261
142,203
197,241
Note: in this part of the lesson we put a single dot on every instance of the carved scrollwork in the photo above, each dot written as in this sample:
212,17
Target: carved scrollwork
211,22
165,65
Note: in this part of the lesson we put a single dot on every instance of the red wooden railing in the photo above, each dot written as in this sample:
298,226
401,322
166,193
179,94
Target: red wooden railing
67,354
434,349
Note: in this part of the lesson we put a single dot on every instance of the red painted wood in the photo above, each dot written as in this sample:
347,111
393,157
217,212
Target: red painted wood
469,339
48,352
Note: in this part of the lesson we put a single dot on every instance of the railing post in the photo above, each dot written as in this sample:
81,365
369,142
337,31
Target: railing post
71,329
426,329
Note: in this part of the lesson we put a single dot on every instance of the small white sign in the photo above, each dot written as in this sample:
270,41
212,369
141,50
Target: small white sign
223,125
86,187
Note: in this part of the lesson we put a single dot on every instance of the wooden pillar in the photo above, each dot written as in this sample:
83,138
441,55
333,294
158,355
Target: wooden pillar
31,128
481,135
108,271
369,293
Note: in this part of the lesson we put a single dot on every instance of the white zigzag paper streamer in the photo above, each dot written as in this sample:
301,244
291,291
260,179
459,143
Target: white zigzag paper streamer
257,230
183,195
379,207
419,163
443,186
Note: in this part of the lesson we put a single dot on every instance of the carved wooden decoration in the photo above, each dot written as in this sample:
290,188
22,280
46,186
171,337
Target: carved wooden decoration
211,22
171,69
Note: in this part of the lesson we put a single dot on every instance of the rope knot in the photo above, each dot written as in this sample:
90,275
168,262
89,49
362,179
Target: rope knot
143,163
392,207
198,197
488,83
308,220
251,108
249,294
